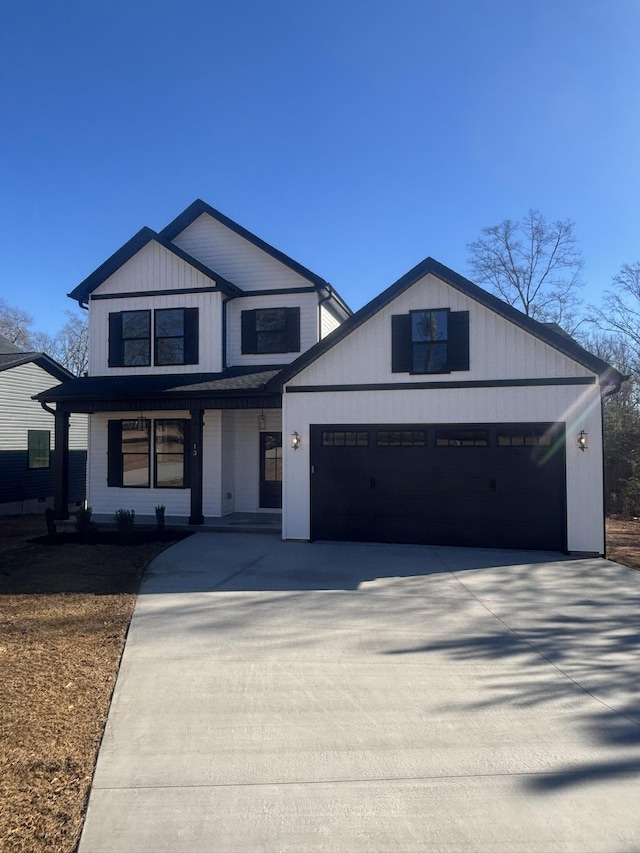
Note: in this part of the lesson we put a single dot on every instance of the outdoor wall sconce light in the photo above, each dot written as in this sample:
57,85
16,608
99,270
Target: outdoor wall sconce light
295,440
583,440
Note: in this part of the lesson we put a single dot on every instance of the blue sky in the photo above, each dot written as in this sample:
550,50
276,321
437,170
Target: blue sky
356,136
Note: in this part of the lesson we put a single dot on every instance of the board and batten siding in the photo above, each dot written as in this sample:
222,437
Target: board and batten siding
308,304
578,407
247,455
498,348
235,258
155,268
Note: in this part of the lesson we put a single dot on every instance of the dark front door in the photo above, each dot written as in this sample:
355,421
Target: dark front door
271,470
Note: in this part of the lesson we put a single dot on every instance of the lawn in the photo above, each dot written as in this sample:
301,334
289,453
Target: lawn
64,614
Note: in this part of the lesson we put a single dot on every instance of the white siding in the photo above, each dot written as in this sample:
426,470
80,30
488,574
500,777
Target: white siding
228,473
498,348
19,413
308,304
236,259
247,456
576,406
155,268
211,463
328,321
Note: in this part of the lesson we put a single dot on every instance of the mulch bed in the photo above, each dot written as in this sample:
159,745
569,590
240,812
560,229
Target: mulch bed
65,608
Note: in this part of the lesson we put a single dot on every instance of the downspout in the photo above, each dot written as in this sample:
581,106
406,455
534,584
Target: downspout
48,408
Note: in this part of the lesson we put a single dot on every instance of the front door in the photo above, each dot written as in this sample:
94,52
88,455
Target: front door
271,470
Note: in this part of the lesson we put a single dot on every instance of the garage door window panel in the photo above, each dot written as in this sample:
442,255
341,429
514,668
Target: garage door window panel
462,438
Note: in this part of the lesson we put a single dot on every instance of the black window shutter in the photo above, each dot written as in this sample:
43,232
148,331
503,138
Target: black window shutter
114,453
191,336
248,330
115,340
292,326
401,351
458,350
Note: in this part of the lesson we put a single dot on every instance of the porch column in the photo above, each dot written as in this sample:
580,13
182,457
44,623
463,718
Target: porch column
197,419
61,465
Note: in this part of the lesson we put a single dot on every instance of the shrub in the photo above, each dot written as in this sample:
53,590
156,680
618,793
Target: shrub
83,522
160,517
125,519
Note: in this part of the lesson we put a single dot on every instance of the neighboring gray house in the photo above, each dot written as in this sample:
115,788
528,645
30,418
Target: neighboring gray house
226,377
27,439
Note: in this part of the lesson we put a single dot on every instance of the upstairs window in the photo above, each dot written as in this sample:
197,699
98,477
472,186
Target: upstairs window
39,446
270,330
175,337
430,341
130,339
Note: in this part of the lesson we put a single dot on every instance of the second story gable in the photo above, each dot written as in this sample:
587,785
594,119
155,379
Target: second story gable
156,307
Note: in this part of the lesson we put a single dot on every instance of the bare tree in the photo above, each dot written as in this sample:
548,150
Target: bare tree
15,325
533,265
620,311
72,344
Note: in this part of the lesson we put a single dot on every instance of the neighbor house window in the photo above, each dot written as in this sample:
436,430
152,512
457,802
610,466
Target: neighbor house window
430,341
39,445
270,330
133,444
175,337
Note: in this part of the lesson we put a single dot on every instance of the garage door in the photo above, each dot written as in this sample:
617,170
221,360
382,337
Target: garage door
487,485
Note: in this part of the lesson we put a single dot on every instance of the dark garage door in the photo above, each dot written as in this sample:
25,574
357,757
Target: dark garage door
500,486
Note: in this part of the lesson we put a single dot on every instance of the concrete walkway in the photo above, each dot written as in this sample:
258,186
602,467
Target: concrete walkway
336,697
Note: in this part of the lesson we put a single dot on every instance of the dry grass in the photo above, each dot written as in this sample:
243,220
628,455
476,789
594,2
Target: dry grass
64,615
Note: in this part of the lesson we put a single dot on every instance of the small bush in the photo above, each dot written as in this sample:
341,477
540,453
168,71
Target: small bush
83,522
125,519
160,517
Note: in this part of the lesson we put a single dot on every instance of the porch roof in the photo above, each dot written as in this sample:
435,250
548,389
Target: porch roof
235,387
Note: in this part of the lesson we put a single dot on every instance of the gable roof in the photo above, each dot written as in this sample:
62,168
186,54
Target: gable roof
198,207
15,359
144,236
559,340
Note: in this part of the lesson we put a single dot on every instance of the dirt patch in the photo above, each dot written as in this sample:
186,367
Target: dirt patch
623,541
65,609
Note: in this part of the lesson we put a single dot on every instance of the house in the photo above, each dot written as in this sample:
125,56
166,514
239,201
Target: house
27,440
436,414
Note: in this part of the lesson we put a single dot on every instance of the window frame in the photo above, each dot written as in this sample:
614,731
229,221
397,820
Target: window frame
402,343
430,344
116,454
190,337
33,450
249,333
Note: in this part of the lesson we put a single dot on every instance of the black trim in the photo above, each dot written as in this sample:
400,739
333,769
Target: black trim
432,386
278,291
195,466
114,453
82,292
176,291
61,466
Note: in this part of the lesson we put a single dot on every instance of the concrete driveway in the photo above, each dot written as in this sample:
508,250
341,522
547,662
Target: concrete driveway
350,697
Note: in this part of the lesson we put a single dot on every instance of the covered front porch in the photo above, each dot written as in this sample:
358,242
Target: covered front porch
225,437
